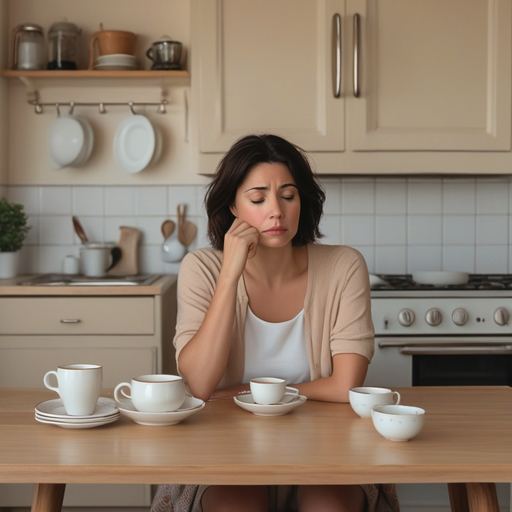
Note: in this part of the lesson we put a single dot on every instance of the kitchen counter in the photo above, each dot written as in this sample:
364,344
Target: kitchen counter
15,287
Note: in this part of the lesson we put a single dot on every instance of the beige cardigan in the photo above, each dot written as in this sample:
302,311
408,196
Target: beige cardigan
337,310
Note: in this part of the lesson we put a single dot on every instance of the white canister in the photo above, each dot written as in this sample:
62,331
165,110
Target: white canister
71,265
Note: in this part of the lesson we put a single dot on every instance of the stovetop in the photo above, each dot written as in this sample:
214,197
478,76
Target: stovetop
400,282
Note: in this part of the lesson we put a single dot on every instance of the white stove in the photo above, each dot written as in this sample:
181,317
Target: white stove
441,335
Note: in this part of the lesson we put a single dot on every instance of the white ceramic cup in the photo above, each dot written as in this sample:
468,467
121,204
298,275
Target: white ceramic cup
269,390
71,265
153,393
95,259
362,399
78,385
398,422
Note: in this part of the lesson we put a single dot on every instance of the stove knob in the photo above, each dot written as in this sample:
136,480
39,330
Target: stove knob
460,316
501,316
433,317
406,317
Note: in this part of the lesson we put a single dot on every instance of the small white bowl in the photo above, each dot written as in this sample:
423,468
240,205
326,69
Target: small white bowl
398,422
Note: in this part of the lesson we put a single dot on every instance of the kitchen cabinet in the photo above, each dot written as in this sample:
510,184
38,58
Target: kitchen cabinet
128,332
433,78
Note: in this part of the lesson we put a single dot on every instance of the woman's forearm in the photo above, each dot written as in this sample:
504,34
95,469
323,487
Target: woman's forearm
203,360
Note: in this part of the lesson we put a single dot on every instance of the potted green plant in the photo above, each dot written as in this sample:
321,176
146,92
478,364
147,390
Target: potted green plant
13,230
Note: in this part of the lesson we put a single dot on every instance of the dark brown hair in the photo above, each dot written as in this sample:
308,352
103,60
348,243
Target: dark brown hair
244,155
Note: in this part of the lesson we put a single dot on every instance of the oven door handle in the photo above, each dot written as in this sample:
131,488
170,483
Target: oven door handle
456,350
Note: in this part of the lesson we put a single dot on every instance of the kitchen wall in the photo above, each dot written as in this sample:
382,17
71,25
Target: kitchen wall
399,224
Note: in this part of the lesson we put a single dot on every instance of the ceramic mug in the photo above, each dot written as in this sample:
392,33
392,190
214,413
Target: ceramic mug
79,387
95,259
362,399
153,393
112,42
270,390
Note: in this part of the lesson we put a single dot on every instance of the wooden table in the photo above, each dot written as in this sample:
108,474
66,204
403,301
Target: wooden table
467,439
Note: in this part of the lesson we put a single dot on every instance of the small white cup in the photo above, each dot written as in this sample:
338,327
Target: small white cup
270,390
71,265
398,422
362,399
154,393
79,387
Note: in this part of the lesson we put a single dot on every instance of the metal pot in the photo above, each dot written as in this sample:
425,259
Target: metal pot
165,54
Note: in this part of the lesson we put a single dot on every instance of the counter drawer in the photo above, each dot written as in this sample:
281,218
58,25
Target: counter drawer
77,315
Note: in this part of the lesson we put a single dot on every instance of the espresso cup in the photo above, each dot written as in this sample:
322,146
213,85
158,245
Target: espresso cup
269,390
362,399
153,393
79,387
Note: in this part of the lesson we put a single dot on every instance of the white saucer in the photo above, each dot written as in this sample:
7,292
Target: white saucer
289,402
54,409
160,419
76,425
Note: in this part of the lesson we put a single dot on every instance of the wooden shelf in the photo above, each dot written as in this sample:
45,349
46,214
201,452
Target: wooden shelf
86,73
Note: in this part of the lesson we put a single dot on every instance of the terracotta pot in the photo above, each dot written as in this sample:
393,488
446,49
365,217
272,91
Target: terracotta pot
112,42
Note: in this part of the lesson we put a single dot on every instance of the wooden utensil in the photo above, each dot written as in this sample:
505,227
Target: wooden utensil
168,228
79,230
186,230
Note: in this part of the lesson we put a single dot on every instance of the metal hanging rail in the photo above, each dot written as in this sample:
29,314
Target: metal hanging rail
38,107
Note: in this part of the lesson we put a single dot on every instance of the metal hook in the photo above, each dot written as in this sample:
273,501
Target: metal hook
71,107
38,109
103,110
58,109
130,104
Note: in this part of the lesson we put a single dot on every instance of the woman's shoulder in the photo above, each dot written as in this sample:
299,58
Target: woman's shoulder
206,258
324,255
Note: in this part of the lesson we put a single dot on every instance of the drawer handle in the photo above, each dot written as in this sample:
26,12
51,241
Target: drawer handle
70,321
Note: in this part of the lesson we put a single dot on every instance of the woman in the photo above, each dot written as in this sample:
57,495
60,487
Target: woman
266,300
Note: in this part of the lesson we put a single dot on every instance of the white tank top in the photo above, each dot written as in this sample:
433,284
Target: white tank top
276,349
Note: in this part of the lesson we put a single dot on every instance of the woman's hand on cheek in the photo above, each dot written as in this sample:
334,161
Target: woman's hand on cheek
240,244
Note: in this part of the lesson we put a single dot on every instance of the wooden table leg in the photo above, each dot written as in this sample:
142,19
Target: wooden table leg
458,497
48,497
482,497
473,497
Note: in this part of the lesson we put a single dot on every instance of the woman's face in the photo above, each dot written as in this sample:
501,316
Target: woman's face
268,199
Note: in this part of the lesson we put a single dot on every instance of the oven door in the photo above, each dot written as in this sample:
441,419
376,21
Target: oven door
441,361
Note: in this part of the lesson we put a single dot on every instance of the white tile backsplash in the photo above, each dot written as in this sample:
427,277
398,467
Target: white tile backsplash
398,224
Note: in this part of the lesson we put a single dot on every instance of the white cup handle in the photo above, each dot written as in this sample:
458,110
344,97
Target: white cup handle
292,391
46,380
118,390
397,397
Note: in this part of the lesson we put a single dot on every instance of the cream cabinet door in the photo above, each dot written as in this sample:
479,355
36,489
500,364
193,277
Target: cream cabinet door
433,75
268,66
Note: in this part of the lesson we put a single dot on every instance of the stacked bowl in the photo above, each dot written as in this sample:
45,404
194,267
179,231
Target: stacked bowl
70,141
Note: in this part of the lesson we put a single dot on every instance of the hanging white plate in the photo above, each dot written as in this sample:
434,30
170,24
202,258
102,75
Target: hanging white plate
65,141
88,143
134,144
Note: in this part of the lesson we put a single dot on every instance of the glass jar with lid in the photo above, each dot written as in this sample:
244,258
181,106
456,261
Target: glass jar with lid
63,39
28,47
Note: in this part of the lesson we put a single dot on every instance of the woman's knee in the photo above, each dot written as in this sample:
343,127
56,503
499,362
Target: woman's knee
235,498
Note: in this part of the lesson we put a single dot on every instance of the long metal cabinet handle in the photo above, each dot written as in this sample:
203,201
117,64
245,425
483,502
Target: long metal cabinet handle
70,321
454,350
357,51
336,55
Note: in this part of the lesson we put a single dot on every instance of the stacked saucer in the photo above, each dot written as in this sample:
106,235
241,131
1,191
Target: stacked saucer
52,412
118,61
